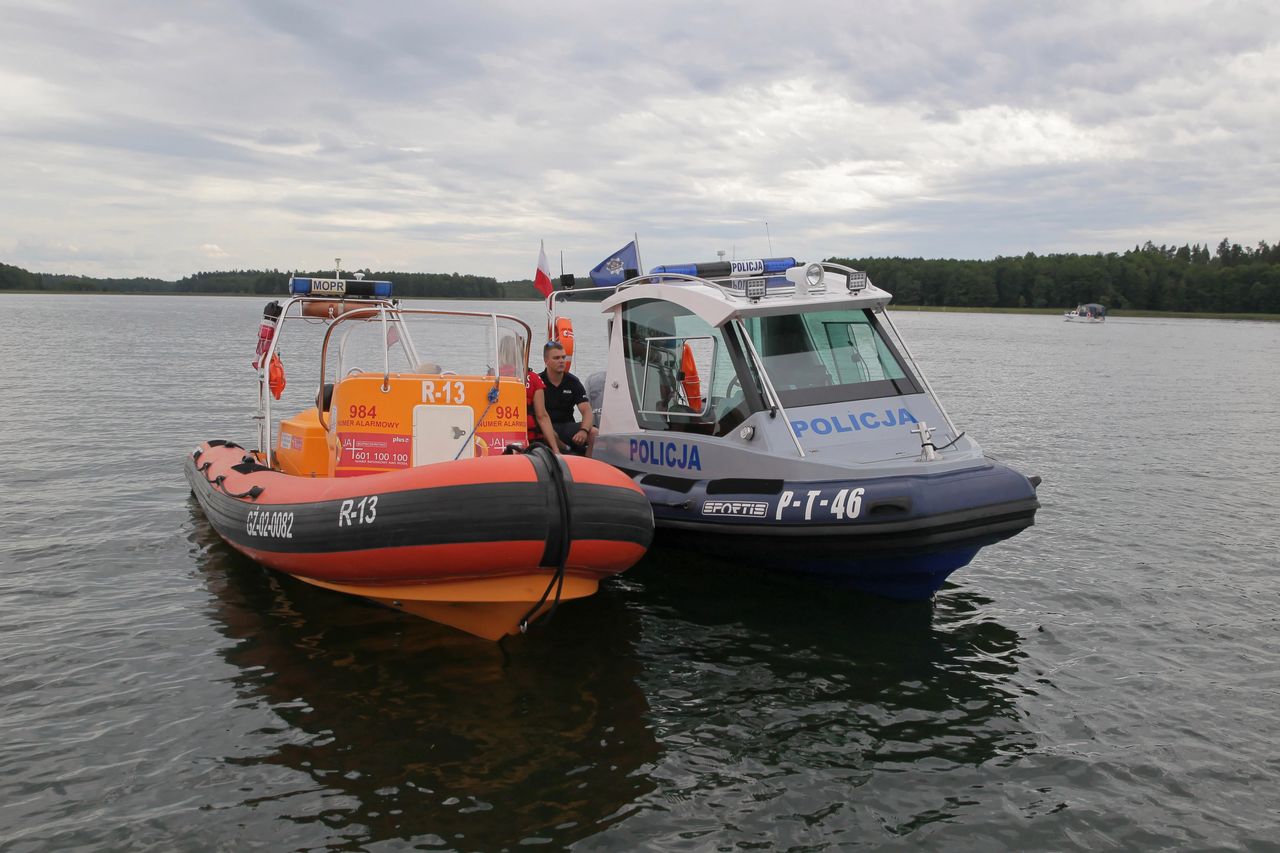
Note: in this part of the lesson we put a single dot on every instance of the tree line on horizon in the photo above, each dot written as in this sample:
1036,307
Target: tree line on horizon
268,283
1232,279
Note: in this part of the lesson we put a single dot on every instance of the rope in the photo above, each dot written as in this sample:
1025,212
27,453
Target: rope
493,398
566,537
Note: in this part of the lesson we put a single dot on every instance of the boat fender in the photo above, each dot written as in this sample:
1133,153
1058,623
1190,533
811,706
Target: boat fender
329,309
689,379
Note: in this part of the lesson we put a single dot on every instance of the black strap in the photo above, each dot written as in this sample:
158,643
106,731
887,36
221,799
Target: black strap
559,539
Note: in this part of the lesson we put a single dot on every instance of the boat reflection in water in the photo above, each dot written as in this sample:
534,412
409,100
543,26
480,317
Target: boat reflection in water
836,709
711,699
408,730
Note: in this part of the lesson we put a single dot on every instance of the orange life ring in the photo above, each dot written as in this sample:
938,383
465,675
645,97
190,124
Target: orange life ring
692,384
275,376
563,333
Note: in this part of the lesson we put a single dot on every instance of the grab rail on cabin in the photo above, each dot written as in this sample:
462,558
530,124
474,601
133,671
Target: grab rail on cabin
368,312
399,313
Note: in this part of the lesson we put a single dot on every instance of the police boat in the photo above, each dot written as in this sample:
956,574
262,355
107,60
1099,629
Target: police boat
773,415
390,479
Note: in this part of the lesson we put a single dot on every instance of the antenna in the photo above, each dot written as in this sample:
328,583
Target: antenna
720,254
337,267
769,237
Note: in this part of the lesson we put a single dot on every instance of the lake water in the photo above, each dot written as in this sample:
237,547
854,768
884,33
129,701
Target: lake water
1109,679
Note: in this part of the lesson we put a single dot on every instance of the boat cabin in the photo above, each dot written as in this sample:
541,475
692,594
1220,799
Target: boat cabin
761,366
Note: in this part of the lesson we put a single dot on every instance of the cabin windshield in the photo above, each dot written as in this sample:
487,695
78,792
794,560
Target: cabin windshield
399,387
412,341
829,356
420,341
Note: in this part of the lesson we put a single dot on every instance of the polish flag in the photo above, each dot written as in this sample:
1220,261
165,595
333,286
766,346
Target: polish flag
542,280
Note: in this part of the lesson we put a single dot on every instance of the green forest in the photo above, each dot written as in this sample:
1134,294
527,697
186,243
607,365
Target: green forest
1232,279
407,284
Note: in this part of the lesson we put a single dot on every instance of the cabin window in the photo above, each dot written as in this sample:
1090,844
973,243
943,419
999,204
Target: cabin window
671,381
829,356
682,372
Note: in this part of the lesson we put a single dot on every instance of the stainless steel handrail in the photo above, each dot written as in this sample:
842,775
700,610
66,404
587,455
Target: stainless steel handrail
356,313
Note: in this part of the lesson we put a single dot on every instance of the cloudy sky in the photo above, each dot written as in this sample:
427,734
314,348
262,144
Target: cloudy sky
162,138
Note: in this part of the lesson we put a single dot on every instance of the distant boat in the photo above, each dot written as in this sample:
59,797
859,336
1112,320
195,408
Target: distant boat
1088,312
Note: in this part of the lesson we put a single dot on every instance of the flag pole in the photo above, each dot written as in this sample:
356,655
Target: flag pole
551,311
636,238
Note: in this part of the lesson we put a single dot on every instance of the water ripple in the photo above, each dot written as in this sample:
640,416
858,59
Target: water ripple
1106,680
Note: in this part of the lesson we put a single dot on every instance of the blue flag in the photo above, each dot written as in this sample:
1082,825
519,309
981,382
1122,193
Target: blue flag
612,270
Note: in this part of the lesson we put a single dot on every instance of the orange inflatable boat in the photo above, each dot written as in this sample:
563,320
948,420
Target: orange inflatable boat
407,483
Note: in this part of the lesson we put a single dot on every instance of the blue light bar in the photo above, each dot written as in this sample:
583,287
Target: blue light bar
729,269
348,287
676,269
779,265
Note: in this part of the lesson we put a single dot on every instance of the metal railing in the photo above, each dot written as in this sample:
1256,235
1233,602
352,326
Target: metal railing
388,313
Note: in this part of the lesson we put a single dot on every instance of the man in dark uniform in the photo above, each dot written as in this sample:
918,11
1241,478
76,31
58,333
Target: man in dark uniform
564,393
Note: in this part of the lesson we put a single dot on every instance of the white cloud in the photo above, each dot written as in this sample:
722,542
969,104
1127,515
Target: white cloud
454,138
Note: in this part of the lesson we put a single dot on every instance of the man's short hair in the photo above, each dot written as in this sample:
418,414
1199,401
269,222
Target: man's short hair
550,345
